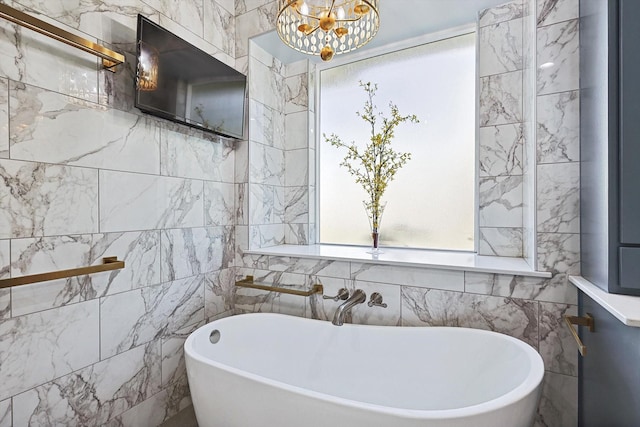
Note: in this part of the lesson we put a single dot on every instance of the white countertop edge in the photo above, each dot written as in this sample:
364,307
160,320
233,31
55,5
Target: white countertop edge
625,308
444,260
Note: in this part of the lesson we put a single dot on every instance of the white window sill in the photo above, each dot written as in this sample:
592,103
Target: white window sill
626,308
444,260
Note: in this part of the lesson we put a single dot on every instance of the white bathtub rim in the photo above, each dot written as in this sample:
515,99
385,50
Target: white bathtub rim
520,392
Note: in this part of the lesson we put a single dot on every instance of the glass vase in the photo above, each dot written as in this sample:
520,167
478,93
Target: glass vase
375,241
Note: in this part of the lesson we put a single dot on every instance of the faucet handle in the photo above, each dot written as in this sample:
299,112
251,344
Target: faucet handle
376,299
343,294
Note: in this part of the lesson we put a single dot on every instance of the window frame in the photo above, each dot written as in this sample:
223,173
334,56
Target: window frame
382,50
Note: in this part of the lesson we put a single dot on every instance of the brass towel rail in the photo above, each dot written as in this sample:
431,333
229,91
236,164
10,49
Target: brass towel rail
586,320
248,283
109,58
109,263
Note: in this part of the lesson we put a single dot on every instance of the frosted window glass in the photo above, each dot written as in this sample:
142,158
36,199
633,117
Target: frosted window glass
430,204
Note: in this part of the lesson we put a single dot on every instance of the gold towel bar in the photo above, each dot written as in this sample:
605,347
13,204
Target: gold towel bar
109,58
109,263
248,283
580,321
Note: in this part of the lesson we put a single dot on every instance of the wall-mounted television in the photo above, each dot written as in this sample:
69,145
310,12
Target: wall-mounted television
177,81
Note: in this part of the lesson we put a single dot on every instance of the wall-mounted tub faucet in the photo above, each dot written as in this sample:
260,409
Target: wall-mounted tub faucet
376,300
357,297
343,294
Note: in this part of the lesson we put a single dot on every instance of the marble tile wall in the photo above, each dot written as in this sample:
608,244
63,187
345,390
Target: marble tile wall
85,175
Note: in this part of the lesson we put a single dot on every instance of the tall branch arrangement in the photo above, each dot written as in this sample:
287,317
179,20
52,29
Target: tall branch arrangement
376,165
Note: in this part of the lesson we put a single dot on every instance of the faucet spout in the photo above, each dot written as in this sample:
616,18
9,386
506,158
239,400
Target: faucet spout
357,297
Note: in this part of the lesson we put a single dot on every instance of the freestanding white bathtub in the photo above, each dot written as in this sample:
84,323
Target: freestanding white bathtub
272,370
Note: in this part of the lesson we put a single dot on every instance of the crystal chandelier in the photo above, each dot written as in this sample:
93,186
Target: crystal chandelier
327,27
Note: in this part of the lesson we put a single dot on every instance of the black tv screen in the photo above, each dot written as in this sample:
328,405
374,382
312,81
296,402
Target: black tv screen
177,81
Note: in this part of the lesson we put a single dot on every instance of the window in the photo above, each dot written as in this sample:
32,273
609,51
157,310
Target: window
430,204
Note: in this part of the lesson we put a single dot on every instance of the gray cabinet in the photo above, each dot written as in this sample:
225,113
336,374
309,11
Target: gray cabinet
610,144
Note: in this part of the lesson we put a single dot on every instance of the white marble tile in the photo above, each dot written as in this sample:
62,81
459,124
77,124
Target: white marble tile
132,318
504,12
94,395
241,173
191,251
85,134
557,346
266,165
241,212
501,150
409,276
188,13
500,48
38,196
296,93
430,307
4,119
501,99
313,267
297,234
194,154
173,365
31,58
219,292
256,20
500,201
559,402
260,123
297,130
219,23
559,253
558,198
295,68
258,301
296,167
152,412
40,347
266,204
554,11
296,210
558,51
6,413
244,6
141,202
504,242
219,203
529,288
262,236
5,294
558,136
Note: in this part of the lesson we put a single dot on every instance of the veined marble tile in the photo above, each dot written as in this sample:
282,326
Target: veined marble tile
191,251
266,204
258,301
241,173
409,276
173,365
501,99
558,50
500,48
190,154
40,347
529,288
219,203
116,89
559,402
244,6
152,412
260,123
558,136
501,13
559,253
141,202
266,82
241,216
188,13
6,413
93,395
38,196
500,241
500,200
553,11
219,292
256,20
132,318
430,307
297,93
5,294
296,167
557,346
313,267
54,128
29,57
262,236
4,119
266,165
297,234
219,23
501,150
297,130
296,210
558,198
